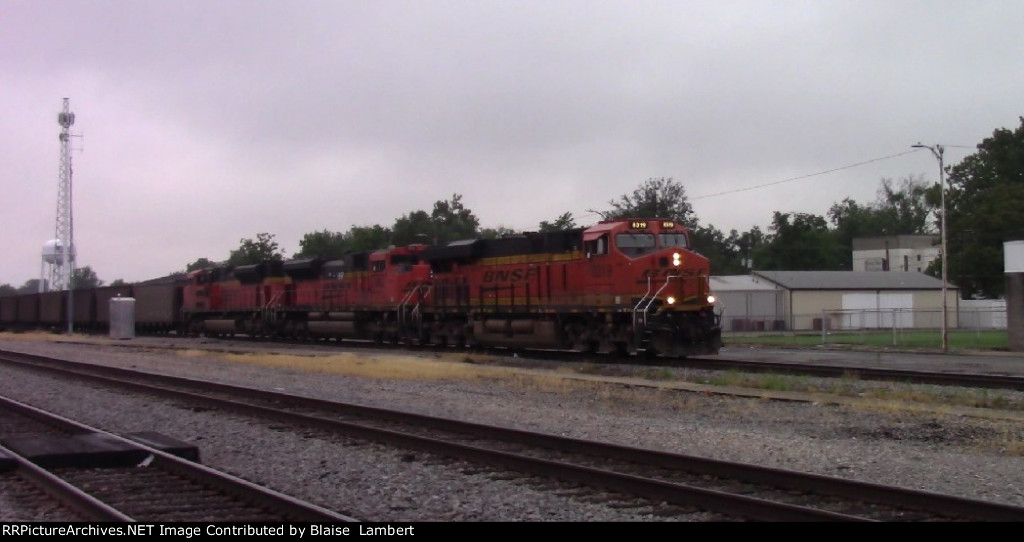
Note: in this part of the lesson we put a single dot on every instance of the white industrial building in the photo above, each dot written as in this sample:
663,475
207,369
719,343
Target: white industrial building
896,253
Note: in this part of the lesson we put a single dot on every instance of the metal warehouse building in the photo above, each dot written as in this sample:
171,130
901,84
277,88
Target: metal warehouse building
749,303
815,300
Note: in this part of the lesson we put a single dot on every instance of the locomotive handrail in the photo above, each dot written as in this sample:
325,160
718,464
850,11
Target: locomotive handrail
268,313
655,296
637,306
636,328
425,288
424,292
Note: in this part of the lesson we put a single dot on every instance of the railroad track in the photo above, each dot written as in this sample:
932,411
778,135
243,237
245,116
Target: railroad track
687,486
72,472
986,381
523,356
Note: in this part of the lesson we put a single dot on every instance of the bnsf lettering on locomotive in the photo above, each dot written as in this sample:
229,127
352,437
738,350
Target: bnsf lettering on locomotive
511,275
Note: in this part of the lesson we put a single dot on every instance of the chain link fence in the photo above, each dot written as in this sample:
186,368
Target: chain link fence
983,326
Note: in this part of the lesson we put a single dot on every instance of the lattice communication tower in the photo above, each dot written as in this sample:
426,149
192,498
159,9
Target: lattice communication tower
59,252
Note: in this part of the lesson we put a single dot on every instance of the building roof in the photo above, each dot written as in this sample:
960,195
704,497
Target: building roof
895,242
851,280
740,283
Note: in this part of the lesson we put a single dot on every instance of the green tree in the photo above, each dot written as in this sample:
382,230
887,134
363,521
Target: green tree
452,220
729,255
983,202
7,289
562,223
331,245
84,278
496,233
325,244
902,211
711,243
264,248
364,238
896,211
201,263
449,220
654,198
801,242
31,286
415,227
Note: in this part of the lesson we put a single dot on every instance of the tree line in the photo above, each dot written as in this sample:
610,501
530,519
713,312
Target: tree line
983,199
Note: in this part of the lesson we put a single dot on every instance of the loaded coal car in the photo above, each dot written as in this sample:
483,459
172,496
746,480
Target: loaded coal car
53,310
27,310
622,286
158,305
84,309
8,312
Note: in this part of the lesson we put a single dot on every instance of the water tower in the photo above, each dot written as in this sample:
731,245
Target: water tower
51,276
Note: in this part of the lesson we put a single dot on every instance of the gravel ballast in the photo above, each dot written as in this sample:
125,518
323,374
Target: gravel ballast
946,451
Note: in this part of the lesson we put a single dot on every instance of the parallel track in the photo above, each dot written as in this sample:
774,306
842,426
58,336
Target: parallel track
140,484
727,489
939,378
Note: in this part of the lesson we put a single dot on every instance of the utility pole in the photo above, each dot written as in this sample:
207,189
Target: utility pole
938,150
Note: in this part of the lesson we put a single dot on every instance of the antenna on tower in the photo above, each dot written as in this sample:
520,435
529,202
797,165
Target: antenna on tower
59,252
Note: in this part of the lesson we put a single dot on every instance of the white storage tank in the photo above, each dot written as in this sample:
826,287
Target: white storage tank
122,317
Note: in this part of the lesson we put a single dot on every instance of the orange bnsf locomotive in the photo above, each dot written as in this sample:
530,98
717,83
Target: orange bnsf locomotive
623,286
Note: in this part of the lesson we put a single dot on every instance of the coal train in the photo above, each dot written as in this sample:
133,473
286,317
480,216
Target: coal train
627,286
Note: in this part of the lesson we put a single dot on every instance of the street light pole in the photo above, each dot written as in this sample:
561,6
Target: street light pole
938,150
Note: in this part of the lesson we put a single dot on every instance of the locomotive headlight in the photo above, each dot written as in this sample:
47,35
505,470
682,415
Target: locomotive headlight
711,299
670,300
677,259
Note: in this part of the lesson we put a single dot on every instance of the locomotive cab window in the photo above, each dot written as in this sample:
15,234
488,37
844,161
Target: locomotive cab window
378,266
597,247
672,240
635,244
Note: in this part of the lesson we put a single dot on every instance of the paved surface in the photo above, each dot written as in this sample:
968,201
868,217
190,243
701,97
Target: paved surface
999,363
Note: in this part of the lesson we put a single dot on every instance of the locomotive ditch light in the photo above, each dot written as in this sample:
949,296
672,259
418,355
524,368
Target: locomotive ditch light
711,299
670,300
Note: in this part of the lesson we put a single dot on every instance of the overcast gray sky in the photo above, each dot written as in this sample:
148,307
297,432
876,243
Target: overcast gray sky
204,122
